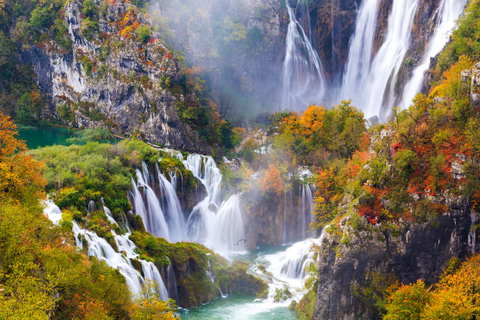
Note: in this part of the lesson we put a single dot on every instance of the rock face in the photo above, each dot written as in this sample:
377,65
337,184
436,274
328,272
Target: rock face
420,251
112,79
272,219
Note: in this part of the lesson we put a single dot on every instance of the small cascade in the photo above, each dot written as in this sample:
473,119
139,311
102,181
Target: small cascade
52,211
447,13
210,274
150,209
303,76
92,207
108,213
172,282
295,259
101,249
305,211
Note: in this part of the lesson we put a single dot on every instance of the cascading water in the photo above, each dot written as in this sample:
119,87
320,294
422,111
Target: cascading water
218,226
303,76
52,211
173,209
101,249
447,13
370,76
380,75
171,282
151,213
305,210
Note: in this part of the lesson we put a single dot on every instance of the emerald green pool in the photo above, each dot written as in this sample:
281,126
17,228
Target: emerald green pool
38,137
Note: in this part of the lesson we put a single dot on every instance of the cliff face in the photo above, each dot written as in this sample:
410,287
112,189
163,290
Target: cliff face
420,251
272,219
112,79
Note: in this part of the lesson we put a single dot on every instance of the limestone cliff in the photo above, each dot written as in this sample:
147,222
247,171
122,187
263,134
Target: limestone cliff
420,251
111,78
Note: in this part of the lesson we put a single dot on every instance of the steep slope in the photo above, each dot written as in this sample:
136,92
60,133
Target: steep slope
113,71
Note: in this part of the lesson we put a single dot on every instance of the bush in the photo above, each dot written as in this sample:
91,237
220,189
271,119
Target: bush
143,33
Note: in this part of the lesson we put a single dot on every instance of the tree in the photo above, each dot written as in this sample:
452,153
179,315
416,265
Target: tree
408,302
272,181
20,174
148,305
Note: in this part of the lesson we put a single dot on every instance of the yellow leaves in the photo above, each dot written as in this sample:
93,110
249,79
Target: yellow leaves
455,297
451,78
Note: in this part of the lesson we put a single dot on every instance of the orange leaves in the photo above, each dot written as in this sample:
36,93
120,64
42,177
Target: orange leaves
20,174
272,181
451,77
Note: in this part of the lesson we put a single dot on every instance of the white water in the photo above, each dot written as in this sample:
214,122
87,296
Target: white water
52,211
101,249
219,226
303,78
369,78
447,13
377,93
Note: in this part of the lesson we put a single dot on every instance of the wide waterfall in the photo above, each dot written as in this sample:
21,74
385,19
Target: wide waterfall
303,78
371,72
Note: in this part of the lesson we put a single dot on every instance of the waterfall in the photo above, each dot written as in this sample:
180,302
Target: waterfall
102,250
447,13
292,263
303,77
92,207
219,226
52,211
172,282
359,62
151,213
370,83
172,208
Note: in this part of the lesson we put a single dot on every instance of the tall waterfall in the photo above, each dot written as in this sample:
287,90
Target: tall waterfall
370,76
377,91
162,218
303,78
447,13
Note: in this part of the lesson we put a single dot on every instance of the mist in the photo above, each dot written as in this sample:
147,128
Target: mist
238,43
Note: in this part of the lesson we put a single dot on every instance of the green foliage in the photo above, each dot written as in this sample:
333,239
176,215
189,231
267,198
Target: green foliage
65,112
83,173
89,8
143,33
374,291
463,40
43,277
94,134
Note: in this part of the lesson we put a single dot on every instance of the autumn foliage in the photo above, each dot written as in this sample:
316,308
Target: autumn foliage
456,296
20,174
272,181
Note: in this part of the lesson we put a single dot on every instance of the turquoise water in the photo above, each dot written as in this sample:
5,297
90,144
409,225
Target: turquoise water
238,307
44,136
244,307
39,137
